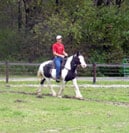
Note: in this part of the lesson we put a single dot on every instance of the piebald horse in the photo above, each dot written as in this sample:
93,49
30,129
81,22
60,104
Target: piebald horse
47,71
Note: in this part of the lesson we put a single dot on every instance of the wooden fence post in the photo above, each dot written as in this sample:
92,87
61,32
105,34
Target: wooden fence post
7,71
94,73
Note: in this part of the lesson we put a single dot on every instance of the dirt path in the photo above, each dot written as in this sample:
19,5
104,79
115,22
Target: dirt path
125,104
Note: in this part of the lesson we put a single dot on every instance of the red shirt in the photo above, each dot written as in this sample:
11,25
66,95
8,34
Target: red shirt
58,48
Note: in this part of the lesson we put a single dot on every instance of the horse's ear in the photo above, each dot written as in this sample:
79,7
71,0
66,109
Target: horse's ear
78,53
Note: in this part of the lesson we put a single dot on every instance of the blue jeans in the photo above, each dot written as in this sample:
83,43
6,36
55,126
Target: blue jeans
58,61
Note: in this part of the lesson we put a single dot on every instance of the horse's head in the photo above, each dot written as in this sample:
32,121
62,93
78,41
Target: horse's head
79,60
75,60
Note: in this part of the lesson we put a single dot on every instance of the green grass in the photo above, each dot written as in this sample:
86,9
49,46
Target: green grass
104,110
104,82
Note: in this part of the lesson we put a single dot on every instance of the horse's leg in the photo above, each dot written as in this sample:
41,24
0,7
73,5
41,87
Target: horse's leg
77,91
41,86
61,89
51,88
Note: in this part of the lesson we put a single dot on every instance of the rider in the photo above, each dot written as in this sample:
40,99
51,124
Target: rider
59,53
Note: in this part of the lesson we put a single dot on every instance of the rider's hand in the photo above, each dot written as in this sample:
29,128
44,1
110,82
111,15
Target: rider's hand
62,56
66,54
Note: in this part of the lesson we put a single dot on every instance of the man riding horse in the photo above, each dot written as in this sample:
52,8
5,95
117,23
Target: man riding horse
67,73
59,53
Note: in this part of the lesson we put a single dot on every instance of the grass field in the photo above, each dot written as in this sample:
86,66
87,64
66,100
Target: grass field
104,110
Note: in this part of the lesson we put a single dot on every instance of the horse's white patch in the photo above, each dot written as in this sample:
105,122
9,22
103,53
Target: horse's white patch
68,64
64,73
43,64
82,61
53,73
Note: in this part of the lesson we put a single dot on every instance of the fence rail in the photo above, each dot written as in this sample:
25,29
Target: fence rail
94,70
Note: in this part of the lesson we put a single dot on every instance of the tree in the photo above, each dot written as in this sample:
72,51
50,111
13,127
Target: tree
29,27
108,2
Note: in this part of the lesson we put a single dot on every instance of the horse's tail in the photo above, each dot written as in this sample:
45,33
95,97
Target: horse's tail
39,74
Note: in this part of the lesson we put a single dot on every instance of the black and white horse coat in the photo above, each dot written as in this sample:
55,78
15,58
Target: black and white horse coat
68,72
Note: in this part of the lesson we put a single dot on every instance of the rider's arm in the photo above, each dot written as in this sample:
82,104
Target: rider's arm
65,54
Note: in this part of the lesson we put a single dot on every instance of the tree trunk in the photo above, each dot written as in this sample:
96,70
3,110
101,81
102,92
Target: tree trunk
19,15
119,2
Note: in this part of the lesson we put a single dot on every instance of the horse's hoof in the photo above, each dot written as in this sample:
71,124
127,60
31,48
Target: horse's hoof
54,95
60,96
38,92
80,98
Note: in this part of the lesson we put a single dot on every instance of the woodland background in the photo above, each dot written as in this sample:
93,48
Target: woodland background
99,29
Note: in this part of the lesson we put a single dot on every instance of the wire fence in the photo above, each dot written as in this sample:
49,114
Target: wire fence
11,69
125,66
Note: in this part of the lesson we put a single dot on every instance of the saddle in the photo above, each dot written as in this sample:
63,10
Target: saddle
48,67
